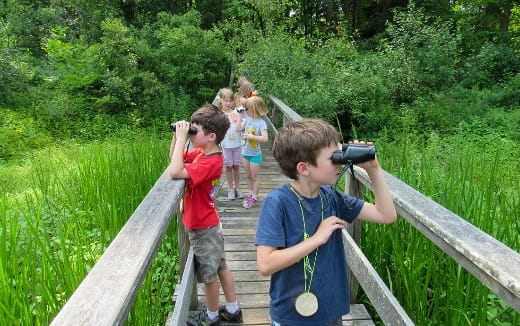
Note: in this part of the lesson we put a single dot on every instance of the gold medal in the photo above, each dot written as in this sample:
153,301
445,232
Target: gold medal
306,304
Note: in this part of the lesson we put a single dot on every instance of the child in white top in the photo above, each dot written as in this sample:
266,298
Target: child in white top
231,144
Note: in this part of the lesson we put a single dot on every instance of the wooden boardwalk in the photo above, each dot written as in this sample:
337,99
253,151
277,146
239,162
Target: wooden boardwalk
239,225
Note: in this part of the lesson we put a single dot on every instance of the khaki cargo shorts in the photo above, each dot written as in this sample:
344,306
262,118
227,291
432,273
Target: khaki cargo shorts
208,245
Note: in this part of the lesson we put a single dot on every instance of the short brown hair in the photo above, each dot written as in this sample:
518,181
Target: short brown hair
302,141
211,119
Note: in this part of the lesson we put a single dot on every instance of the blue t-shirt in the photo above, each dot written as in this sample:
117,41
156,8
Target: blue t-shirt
255,127
280,225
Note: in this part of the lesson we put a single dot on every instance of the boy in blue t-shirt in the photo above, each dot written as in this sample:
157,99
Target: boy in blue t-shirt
299,241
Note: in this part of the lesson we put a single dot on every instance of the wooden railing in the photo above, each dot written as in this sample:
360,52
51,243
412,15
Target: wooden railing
107,293
496,265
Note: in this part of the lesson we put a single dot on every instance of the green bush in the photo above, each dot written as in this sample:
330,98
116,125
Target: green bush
495,63
19,133
423,47
507,94
187,58
309,81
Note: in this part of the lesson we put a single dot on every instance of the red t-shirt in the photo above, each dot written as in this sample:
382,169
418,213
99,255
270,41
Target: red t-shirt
201,186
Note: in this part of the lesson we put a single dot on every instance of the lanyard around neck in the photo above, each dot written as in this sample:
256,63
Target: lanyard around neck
306,260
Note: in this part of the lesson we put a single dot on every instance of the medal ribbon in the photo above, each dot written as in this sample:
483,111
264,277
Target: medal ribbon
306,260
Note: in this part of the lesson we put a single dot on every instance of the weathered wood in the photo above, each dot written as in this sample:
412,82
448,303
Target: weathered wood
386,305
185,292
257,317
355,189
184,249
289,114
108,291
496,265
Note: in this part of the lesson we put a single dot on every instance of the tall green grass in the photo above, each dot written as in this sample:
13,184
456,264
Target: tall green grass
60,209
478,179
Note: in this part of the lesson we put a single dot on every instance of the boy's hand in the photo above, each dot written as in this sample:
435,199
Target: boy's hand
373,164
181,129
327,226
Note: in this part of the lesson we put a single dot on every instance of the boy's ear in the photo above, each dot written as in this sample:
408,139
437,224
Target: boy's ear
302,169
212,136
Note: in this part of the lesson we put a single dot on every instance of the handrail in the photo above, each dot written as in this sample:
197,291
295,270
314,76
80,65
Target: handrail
188,282
489,260
107,293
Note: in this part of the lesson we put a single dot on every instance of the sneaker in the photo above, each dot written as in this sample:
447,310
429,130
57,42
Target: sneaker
231,195
232,318
201,319
244,203
239,194
250,202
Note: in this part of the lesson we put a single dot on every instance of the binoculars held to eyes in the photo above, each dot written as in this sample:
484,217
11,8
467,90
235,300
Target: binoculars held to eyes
192,131
354,154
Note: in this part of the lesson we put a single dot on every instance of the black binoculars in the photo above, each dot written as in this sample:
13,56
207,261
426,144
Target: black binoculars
241,109
192,131
354,154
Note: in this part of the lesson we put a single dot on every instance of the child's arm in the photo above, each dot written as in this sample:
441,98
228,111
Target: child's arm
262,138
240,123
176,168
271,259
383,211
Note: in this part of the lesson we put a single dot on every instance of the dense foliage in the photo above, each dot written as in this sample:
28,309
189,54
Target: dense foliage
416,79
86,69
421,73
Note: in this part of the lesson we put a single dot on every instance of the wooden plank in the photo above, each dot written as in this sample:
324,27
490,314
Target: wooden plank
181,308
230,232
243,287
240,247
237,255
260,316
243,265
239,238
107,293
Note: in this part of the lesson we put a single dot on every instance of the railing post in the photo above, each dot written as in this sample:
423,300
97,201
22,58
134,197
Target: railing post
275,116
184,249
356,189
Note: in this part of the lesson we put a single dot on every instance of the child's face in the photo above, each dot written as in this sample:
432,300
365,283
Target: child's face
325,172
199,139
227,103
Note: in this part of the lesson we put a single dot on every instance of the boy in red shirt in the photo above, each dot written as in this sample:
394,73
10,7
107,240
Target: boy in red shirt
202,168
